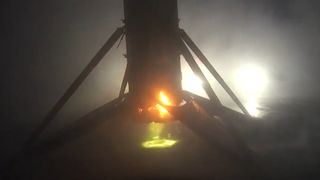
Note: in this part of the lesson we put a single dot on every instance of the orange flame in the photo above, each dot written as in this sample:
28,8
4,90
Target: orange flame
163,112
164,99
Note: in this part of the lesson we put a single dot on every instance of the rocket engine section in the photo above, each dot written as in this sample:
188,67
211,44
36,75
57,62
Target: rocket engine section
153,56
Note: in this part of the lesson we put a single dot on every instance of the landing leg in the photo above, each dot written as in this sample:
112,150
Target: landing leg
196,69
74,86
213,71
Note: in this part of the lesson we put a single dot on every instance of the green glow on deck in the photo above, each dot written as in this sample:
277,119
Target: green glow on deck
159,143
155,140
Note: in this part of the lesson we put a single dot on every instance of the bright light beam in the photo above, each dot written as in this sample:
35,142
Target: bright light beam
252,81
193,84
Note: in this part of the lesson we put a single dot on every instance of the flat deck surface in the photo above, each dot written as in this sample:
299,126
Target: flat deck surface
113,151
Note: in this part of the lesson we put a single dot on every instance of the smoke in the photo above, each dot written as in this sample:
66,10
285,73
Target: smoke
48,43
282,37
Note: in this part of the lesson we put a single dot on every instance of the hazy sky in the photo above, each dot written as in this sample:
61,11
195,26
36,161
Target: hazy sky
45,44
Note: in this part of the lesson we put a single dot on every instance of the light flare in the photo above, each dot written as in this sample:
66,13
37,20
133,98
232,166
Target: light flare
193,83
252,79
165,99
252,107
252,83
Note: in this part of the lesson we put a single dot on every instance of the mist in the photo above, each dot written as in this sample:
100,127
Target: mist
46,44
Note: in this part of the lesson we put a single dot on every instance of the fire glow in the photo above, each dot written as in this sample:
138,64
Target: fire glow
164,99
162,111
155,129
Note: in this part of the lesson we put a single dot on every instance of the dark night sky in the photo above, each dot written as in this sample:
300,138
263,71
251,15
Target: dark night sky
45,44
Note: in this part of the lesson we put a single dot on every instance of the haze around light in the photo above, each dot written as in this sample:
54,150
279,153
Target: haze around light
249,80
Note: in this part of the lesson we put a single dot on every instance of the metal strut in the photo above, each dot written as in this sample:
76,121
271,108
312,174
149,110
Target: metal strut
75,85
212,70
124,82
196,69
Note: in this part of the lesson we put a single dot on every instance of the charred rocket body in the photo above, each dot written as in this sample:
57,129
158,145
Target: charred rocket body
154,46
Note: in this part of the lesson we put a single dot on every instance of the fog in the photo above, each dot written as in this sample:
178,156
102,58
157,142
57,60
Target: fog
46,44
